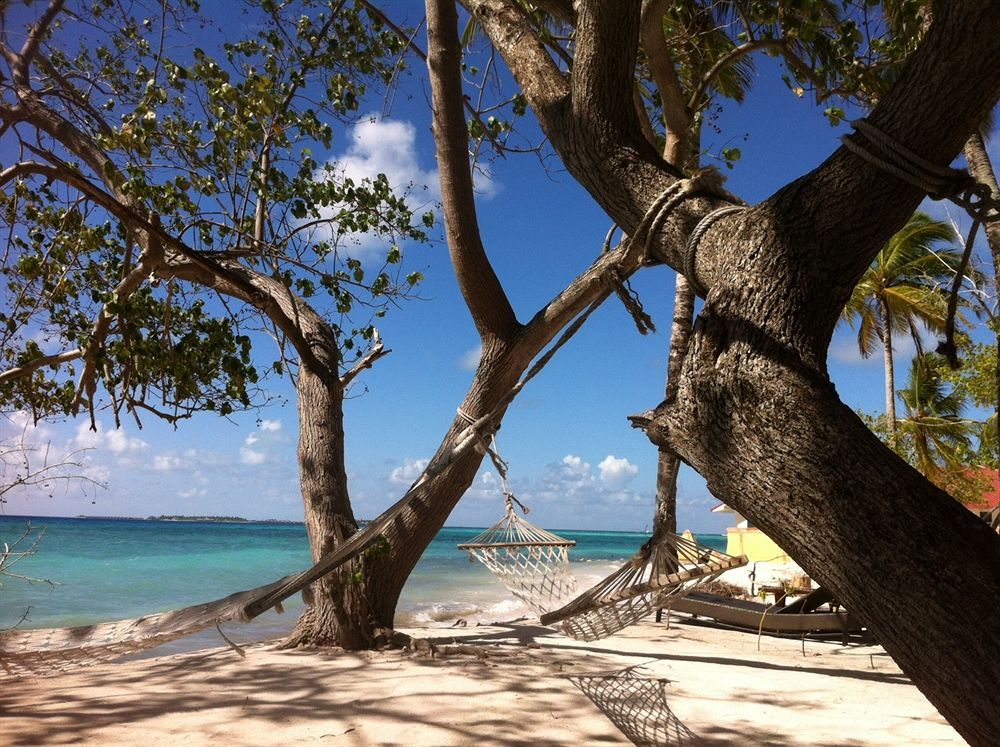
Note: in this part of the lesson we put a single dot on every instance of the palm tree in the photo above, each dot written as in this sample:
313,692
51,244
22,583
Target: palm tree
905,284
935,434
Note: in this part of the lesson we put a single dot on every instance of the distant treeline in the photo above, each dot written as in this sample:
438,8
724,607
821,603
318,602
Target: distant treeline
221,519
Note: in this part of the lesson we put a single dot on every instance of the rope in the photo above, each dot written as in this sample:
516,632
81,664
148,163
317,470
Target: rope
626,294
938,182
691,248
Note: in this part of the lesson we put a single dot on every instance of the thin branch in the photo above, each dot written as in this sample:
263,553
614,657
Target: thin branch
377,351
695,102
19,69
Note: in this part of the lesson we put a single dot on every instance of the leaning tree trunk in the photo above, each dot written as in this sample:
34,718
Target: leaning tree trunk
385,572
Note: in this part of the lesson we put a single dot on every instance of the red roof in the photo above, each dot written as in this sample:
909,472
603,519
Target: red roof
991,496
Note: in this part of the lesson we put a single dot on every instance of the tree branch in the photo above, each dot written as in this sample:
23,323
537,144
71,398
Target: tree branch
19,67
604,70
481,289
377,351
542,83
695,102
675,110
46,360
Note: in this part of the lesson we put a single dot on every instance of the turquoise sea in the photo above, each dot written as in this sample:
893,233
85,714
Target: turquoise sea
111,569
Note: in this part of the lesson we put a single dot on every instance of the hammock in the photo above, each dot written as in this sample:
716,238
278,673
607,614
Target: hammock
52,650
664,569
531,562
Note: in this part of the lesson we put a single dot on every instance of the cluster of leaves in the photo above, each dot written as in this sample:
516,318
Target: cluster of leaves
836,51
218,144
934,434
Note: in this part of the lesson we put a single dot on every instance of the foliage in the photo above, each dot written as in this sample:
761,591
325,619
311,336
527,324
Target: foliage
150,119
935,436
905,284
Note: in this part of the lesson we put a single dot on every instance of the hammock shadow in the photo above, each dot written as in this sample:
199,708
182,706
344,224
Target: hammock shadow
527,634
636,705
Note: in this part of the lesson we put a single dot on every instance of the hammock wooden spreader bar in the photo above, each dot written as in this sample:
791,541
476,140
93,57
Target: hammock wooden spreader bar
664,569
531,562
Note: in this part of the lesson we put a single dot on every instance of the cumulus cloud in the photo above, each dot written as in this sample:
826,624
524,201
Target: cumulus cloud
469,360
167,463
617,472
844,349
116,440
574,481
378,146
263,444
409,471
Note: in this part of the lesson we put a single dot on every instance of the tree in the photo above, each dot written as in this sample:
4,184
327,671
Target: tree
935,431
905,285
166,208
150,251
755,412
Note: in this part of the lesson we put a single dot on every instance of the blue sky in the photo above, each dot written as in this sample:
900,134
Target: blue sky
573,457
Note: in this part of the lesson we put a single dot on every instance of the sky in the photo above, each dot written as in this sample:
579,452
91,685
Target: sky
573,458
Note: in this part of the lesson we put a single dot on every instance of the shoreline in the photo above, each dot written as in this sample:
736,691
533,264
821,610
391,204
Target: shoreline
510,684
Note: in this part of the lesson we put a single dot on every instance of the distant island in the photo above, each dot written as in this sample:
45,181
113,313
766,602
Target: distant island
222,519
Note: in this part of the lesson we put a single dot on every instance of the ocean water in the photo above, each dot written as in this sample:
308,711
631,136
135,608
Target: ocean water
103,569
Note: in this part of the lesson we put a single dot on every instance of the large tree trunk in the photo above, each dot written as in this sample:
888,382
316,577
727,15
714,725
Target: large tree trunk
339,611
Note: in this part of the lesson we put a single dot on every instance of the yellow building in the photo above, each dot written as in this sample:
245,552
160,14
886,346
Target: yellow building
746,539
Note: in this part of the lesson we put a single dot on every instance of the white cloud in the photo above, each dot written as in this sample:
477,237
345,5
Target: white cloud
166,463
408,472
117,441
617,472
193,493
261,445
376,147
844,349
575,466
469,360
252,457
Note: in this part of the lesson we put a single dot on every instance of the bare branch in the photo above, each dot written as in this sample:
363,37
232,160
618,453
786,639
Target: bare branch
19,68
676,115
377,351
543,84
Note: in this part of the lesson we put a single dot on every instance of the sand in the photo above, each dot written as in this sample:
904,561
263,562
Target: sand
496,685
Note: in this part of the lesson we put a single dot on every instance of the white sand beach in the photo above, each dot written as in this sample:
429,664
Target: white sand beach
491,685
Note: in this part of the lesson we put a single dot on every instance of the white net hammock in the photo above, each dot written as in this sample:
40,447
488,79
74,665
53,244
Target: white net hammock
531,562
664,569
52,650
